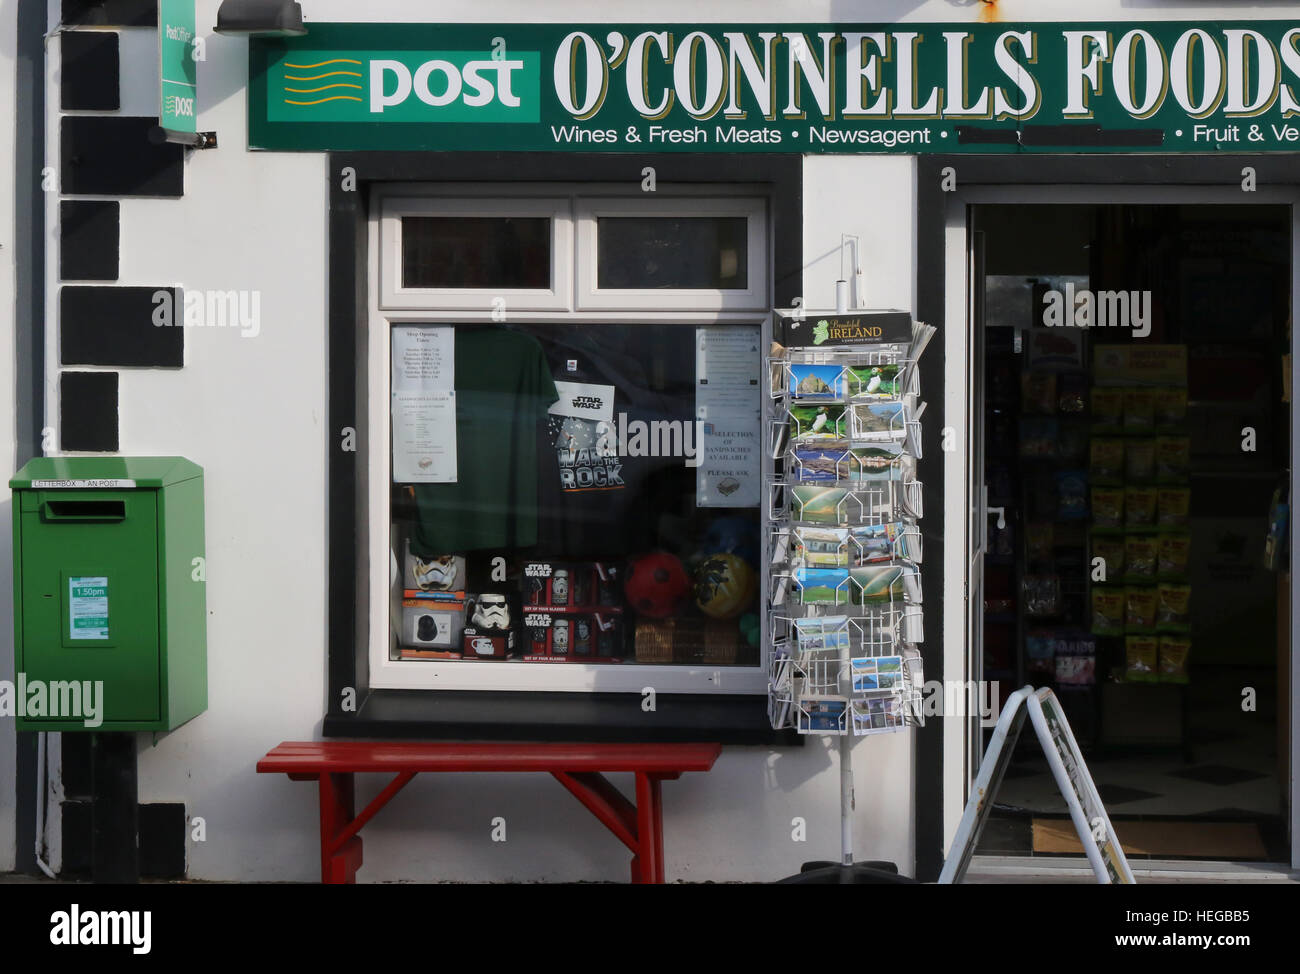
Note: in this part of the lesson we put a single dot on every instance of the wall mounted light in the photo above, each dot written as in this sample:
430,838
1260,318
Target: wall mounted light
843,300
283,17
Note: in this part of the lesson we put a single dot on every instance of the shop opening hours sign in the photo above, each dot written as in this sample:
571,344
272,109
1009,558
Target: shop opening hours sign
907,88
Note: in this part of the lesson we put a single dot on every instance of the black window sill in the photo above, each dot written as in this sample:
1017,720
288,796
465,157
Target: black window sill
545,716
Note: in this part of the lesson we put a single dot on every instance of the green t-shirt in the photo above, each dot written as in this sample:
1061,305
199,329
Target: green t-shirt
503,390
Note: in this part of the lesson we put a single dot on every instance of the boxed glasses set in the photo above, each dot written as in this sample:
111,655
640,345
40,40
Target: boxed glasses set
572,611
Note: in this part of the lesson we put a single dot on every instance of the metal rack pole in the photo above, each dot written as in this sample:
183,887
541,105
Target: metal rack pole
846,792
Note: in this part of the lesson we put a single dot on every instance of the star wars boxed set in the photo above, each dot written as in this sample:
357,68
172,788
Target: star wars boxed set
572,612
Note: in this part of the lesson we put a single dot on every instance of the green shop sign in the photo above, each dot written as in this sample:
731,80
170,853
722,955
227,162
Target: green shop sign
907,88
177,70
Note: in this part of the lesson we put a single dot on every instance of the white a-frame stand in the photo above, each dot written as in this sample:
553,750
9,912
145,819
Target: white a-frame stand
1100,843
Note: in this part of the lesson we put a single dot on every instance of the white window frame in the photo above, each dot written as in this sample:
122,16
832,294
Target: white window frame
449,307
393,295
754,296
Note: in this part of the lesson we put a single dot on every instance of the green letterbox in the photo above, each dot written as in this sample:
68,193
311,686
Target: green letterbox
109,594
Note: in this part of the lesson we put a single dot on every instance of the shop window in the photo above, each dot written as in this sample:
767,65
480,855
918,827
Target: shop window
687,254
476,252
672,252
568,485
466,253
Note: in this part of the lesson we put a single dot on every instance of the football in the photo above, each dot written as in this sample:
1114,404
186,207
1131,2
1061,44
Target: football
725,585
657,584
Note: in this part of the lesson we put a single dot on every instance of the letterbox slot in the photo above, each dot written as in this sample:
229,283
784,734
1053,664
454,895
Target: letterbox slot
87,510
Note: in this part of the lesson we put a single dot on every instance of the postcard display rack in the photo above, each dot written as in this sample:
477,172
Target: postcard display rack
844,587
842,545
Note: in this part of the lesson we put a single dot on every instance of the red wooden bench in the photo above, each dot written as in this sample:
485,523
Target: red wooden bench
581,768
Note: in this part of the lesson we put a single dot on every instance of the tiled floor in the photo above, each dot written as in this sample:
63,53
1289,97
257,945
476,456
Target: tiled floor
1232,775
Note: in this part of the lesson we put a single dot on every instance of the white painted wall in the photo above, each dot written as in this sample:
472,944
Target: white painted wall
874,198
251,412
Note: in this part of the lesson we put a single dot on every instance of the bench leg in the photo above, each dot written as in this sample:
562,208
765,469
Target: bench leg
648,864
337,805
639,827
343,865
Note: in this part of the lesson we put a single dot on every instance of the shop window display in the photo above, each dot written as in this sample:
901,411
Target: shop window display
561,515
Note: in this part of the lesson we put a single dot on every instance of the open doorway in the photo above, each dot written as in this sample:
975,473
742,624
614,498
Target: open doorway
1136,451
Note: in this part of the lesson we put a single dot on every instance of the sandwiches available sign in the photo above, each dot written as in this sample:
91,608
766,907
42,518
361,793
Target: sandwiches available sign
922,87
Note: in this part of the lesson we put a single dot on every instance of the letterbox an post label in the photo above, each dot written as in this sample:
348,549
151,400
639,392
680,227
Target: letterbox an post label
88,607
82,484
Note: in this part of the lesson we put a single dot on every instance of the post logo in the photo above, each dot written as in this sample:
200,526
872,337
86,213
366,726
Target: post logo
405,86
178,107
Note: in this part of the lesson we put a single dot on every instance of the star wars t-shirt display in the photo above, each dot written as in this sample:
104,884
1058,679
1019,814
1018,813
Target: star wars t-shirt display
592,480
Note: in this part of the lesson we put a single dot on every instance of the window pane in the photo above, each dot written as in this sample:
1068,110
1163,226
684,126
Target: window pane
577,528
476,252
672,252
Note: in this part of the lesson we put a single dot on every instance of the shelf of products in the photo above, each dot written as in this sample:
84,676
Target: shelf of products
1099,501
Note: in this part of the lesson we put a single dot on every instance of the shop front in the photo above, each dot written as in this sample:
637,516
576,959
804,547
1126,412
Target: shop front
490,340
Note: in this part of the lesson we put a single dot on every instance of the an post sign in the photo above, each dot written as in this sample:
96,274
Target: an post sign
908,88
177,70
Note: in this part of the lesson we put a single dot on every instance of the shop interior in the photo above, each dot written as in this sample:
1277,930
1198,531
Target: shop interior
1137,437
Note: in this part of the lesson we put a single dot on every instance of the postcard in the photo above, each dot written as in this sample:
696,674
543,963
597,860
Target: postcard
823,713
821,547
822,586
877,420
818,465
876,673
828,505
883,461
817,381
874,381
874,542
877,583
877,715
821,633
818,425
